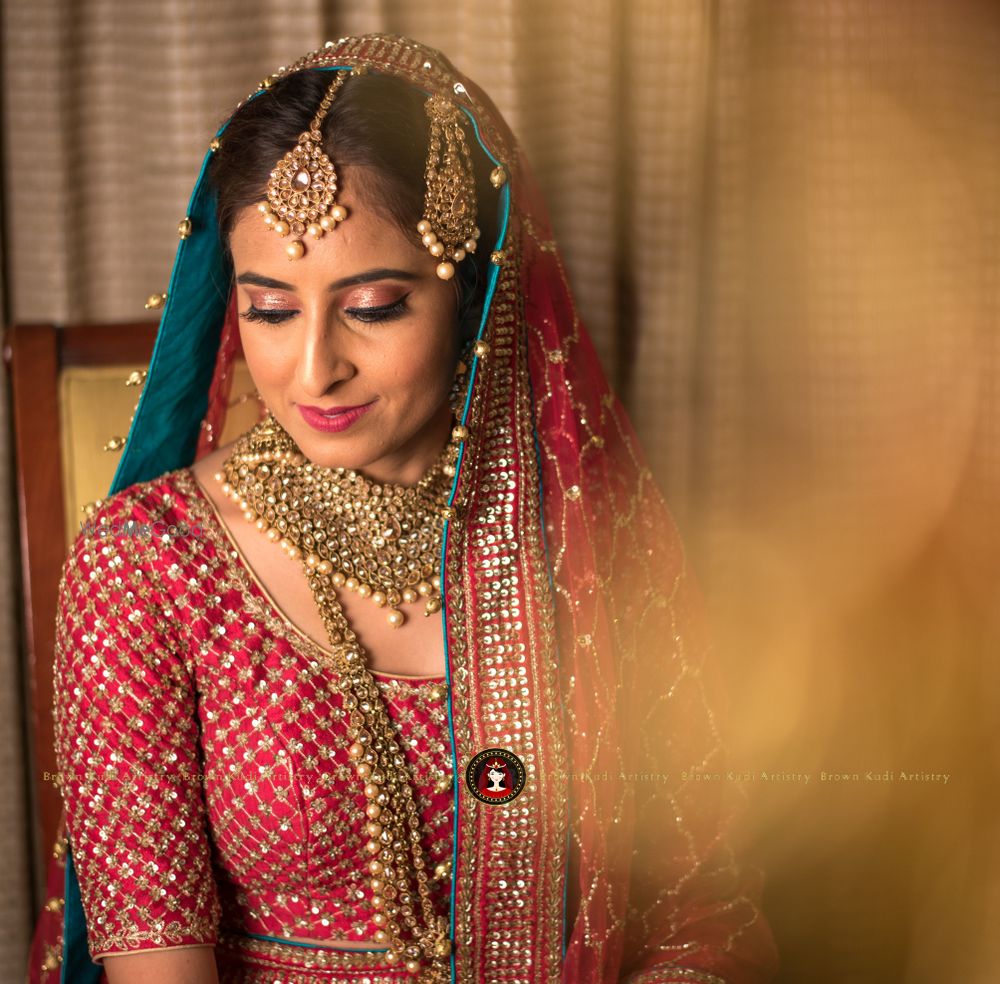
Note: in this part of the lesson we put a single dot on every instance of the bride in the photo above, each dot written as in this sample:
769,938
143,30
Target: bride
408,691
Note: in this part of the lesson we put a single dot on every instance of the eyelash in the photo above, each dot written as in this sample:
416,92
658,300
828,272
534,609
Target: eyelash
370,315
268,317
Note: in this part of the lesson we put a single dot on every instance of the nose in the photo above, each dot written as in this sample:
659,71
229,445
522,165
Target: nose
322,359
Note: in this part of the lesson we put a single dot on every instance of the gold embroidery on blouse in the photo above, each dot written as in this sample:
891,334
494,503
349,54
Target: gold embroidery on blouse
245,765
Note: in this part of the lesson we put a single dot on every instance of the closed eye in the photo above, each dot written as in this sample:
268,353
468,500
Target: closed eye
270,316
385,312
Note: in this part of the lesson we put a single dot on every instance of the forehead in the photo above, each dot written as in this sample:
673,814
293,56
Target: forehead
365,239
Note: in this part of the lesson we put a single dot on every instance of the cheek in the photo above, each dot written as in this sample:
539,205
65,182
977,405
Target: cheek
266,358
425,367
418,372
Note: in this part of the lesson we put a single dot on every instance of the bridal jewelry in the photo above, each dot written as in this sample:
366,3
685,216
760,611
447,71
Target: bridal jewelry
448,227
381,541
301,192
302,189
386,539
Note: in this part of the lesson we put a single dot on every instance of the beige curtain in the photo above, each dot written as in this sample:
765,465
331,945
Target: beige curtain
781,220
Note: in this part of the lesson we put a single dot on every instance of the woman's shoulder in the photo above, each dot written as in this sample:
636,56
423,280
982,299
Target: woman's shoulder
154,511
156,526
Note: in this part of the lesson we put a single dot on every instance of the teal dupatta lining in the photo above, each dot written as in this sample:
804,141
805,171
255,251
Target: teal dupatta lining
312,946
164,436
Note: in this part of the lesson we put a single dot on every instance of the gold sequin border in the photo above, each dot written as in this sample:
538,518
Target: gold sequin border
251,960
504,522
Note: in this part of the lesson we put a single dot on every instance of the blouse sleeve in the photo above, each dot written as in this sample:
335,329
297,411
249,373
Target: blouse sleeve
694,912
127,745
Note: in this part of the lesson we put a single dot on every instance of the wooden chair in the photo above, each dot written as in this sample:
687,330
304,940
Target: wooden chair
69,400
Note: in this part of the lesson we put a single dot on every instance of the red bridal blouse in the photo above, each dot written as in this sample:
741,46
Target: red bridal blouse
203,751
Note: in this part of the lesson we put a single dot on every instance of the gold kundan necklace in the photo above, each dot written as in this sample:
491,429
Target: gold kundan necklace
383,542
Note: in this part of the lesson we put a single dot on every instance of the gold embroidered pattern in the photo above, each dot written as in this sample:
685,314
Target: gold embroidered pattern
225,717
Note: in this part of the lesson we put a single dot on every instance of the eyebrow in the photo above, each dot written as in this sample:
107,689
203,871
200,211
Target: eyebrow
384,273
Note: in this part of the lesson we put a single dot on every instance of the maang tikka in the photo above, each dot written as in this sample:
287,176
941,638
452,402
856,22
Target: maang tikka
302,188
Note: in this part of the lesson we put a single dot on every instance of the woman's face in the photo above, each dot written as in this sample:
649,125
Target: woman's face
361,324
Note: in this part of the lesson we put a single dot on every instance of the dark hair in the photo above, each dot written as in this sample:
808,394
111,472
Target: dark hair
376,121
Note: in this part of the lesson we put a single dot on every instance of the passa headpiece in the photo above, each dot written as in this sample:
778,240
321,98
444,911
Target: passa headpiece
302,189
448,228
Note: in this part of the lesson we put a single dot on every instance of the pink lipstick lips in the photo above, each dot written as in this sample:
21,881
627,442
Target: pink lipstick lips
332,419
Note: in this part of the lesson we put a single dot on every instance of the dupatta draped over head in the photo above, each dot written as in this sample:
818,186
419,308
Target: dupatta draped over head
573,627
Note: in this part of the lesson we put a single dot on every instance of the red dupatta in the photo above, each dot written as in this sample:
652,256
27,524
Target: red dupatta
575,639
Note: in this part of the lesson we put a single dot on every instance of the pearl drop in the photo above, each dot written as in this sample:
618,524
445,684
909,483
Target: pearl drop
379,598
470,245
364,590
445,271
424,588
423,227
436,249
315,230
295,249
327,222
459,255
281,227
428,238
396,618
351,584
339,212
263,208
409,595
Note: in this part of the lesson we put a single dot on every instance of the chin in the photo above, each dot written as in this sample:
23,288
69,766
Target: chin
328,452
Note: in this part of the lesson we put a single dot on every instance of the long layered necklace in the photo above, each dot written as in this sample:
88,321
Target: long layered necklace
383,542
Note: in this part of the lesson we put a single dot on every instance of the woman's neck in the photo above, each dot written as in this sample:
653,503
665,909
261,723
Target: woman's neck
408,464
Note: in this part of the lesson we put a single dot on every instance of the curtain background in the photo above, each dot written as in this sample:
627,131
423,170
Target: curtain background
781,221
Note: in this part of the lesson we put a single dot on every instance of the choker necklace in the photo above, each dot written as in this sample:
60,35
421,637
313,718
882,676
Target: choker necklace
387,540
381,541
